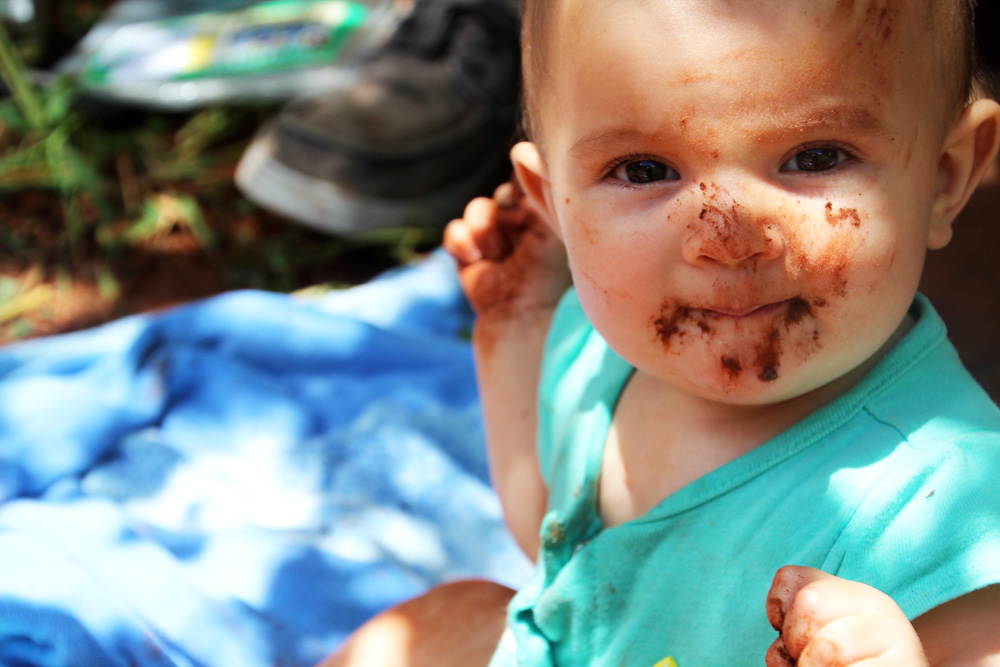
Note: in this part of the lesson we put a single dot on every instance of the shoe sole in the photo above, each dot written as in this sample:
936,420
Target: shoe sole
328,208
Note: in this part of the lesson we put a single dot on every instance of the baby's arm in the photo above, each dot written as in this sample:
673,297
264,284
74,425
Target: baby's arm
825,621
513,270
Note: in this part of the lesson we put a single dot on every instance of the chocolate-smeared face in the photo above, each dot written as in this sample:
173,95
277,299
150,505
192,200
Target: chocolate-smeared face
745,189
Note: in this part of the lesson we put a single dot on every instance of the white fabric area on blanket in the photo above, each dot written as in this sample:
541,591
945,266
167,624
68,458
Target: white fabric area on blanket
242,480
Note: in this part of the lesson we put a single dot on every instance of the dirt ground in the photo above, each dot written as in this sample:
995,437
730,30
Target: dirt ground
254,249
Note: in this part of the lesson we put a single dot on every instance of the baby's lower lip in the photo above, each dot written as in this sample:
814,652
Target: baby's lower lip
748,313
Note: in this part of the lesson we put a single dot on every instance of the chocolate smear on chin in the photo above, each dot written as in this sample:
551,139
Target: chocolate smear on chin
797,309
769,351
668,327
767,357
732,366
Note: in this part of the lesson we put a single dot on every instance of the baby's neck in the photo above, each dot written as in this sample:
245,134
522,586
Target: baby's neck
662,439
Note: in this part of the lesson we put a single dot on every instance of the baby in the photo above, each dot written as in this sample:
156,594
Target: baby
741,417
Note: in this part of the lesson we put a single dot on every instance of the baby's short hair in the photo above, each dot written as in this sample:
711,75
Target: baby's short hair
955,20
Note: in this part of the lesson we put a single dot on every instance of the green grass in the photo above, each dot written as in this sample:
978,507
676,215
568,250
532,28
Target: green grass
126,181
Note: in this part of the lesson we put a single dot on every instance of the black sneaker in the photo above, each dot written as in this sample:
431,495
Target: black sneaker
425,127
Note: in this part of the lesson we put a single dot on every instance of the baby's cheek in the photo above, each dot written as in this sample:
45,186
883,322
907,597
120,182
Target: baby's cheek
615,268
831,253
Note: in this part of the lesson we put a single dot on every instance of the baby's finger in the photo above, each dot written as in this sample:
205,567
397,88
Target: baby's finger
459,243
838,621
787,583
480,212
804,600
481,220
816,606
513,208
836,644
509,194
863,639
777,655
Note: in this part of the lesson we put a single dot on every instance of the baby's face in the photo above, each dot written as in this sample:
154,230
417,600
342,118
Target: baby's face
744,189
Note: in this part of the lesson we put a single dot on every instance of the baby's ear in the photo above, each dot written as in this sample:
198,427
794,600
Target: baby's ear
533,175
969,149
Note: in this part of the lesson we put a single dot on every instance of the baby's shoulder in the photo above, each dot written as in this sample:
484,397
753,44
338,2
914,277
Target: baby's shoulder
923,390
928,529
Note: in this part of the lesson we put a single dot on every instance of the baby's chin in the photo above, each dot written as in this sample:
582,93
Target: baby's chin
744,391
732,380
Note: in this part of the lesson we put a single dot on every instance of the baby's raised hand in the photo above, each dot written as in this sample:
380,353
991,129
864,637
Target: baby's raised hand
825,621
509,259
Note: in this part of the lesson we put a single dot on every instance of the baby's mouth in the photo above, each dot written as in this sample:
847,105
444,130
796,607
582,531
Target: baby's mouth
673,324
747,312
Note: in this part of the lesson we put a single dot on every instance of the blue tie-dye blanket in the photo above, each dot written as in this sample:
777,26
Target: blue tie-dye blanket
242,480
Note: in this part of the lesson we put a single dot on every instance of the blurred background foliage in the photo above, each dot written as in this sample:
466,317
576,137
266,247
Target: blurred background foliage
107,211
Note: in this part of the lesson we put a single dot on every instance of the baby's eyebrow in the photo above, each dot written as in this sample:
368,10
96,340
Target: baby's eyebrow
602,140
837,118
855,119
828,121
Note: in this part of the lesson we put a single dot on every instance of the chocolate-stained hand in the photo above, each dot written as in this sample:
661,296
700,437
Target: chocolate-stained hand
509,259
825,621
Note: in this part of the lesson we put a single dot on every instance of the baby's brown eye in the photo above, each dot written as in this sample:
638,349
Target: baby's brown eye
815,159
645,171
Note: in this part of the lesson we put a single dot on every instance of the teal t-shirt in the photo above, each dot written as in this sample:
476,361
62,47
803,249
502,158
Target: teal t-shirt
893,484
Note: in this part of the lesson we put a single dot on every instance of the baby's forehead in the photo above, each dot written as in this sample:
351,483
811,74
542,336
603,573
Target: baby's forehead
930,22
877,20
904,42
864,33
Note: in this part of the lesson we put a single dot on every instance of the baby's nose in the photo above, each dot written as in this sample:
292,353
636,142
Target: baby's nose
724,232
